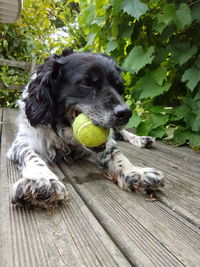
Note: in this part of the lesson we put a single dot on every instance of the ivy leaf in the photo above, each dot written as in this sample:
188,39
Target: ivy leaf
183,135
192,76
111,45
157,120
98,20
135,8
88,15
180,52
143,128
180,136
186,56
157,109
183,16
158,132
180,112
133,121
169,14
91,38
138,58
194,141
100,4
149,87
116,6
195,124
196,12
159,75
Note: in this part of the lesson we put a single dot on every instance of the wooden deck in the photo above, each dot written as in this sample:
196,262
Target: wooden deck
103,225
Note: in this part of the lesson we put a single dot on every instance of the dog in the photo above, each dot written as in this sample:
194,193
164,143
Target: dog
64,86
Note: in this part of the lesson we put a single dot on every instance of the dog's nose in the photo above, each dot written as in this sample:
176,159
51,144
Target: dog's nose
123,114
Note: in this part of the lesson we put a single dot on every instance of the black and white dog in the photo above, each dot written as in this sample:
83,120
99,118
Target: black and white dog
63,87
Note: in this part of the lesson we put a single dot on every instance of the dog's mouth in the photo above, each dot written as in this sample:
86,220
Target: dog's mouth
74,113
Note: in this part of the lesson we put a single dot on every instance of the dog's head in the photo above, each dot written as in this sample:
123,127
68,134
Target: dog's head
74,83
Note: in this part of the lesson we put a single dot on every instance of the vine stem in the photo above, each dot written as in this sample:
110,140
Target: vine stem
194,3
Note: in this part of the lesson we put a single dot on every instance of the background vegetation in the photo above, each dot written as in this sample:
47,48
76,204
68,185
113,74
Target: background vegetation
155,42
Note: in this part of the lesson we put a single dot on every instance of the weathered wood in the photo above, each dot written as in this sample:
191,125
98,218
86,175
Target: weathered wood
103,225
149,233
16,64
182,173
1,118
70,237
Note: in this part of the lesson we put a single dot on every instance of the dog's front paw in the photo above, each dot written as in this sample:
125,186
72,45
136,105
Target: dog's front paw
152,179
145,141
139,179
128,179
41,192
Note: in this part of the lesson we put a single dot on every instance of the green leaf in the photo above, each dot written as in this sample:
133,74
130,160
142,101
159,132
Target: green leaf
138,58
98,20
158,132
195,124
192,76
180,112
133,121
178,50
169,14
91,38
149,87
111,45
183,16
157,120
100,3
143,128
159,26
180,136
194,141
125,30
167,32
5,43
88,14
196,12
186,56
183,136
157,109
135,8
116,6
159,75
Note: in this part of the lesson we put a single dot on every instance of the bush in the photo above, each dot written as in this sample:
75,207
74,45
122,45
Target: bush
157,45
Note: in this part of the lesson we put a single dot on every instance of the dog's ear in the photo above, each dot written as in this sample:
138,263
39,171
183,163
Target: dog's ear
40,99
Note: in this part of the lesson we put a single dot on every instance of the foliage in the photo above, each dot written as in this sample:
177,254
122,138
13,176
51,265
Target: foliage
157,45
38,33
156,42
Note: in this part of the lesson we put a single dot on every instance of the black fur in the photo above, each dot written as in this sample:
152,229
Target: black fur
73,79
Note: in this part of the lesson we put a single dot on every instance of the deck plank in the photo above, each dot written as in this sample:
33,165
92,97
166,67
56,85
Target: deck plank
149,233
1,118
182,176
72,236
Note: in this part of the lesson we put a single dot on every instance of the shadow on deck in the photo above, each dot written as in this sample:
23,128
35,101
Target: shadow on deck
103,225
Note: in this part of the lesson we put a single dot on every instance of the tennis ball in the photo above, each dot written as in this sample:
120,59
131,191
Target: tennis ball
87,133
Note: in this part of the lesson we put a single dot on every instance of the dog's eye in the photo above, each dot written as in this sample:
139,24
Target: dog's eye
87,83
119,87
84,83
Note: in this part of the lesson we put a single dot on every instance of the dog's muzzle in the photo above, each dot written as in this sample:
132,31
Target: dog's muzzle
122,115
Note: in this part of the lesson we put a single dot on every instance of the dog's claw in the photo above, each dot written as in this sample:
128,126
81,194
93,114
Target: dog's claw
41,192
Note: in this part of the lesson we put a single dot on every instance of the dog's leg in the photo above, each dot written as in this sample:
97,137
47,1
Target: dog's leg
39,185
129,177
139,141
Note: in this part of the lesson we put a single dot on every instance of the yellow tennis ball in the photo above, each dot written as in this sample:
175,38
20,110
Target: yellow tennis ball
87,133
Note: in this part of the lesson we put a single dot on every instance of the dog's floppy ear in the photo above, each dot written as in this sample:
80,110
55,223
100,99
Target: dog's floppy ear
40,99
